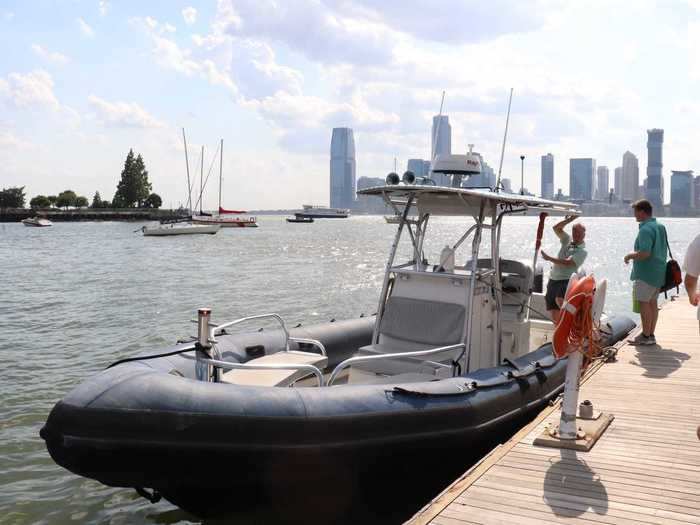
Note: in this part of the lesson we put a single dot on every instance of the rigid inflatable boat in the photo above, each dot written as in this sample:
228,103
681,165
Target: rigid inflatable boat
307,418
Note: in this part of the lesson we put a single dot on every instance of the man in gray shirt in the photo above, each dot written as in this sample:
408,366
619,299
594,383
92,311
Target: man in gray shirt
571,255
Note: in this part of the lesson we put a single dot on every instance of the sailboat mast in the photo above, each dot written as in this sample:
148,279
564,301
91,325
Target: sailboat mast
221,162
187,163
201,188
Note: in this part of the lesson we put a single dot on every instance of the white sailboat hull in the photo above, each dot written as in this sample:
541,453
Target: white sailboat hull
179,229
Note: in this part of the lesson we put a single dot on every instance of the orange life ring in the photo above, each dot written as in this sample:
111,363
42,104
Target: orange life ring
575,322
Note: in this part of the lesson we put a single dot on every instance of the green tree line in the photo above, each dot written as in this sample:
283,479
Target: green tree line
133,190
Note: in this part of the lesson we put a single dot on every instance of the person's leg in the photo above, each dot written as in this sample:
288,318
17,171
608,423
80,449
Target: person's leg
647,315
550,300
655,314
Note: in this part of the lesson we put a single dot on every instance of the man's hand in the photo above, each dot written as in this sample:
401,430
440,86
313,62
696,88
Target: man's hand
628,258
694,299
570,218
545,256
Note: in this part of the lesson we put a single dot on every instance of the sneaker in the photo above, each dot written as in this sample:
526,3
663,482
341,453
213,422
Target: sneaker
641,339
651,340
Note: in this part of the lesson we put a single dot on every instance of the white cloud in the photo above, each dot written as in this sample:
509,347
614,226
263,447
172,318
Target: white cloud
50,56
123,114
165,51
190,15
9,141
85,29
30,90
104,7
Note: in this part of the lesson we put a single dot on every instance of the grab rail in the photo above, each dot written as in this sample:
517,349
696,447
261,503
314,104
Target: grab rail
218,328
361,358
317,344
245,366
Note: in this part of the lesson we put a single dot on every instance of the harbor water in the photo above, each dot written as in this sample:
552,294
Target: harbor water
77,296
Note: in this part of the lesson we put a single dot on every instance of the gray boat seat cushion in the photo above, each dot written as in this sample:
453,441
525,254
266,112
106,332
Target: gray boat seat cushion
428,322
413,324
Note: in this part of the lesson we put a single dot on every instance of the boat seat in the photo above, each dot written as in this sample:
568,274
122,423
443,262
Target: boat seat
410,324
250,377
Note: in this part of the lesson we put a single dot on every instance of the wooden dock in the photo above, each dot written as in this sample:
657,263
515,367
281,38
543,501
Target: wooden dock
644,469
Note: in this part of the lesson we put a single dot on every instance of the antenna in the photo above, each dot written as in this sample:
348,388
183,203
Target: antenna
503,148
201,175
187,163
221,163
437,132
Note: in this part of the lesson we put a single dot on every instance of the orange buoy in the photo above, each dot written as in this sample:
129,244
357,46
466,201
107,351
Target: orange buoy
576,321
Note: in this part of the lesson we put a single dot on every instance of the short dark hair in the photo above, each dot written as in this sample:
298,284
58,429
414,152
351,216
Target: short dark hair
643,205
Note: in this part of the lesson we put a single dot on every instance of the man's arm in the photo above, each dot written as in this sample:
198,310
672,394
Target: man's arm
691,286
569,261
559,227
637,256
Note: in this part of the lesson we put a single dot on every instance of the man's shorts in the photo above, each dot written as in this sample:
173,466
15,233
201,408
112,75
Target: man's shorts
644,292
555,289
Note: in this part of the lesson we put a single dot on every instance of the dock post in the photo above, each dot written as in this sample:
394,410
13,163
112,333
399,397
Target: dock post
567,421
205,372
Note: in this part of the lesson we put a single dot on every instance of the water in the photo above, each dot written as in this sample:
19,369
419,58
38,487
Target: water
77,296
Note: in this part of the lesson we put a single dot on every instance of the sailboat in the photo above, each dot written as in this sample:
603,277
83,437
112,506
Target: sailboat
240,219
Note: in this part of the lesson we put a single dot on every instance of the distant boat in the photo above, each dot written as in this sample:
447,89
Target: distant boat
392,219
322,212
37,221
240,221
179,228
300,219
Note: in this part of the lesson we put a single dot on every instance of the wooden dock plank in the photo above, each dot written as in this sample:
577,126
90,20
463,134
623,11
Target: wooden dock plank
644,469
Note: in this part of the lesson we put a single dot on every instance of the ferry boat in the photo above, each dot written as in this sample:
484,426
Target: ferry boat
322,212
286,419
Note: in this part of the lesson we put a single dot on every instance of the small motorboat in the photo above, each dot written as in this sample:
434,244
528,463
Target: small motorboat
300,219
179,228
37,221
392,219
306,420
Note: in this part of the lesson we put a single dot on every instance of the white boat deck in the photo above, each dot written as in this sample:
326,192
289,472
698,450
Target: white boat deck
644,469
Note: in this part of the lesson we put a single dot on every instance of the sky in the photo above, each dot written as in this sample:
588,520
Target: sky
82,82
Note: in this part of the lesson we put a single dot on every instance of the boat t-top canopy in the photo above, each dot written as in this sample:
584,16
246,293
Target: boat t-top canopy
441,200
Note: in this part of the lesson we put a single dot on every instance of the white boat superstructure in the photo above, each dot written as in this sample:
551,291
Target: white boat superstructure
179,228
322,212
37,222
484,297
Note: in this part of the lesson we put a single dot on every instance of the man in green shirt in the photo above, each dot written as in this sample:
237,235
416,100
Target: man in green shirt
648,269
571,255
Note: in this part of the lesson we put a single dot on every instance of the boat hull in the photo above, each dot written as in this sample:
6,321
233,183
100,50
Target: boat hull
226,222
37,223
216,449
161,231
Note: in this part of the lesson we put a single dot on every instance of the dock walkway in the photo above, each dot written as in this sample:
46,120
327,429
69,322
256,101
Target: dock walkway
644,469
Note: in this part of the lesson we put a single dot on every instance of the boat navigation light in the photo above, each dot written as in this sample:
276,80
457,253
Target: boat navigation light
409,177
392,179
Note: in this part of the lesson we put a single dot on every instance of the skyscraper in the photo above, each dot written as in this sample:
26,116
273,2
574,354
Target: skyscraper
630,177
682,192
441,136
547,184
342,168
603,183
618,183
654,182
582,179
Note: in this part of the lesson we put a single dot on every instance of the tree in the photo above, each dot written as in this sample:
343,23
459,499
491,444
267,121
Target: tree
12,197
40,201
96,201
66,198
133,187
52,199
153,201
81,202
